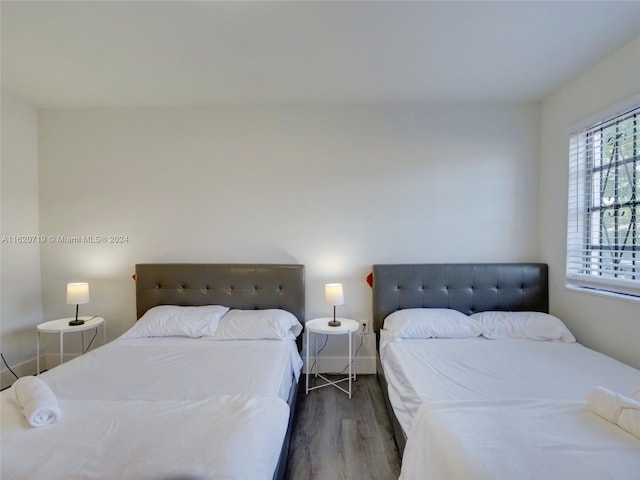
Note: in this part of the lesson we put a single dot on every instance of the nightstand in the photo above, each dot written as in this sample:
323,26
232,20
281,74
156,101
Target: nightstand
320,326
61,326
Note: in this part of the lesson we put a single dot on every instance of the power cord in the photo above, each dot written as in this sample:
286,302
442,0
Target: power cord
355,355
94,335
326,337
91,341
5,362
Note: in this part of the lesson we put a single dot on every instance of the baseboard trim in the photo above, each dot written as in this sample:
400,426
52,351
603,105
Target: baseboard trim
28,367
338,364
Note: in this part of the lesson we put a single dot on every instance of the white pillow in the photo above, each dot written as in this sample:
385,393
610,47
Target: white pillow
527,325
431,323
258,324
176,321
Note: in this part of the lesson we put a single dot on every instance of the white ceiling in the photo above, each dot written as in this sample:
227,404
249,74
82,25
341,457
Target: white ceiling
148,53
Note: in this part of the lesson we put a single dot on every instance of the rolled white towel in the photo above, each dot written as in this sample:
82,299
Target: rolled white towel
38,402
629,419
636,394
616,408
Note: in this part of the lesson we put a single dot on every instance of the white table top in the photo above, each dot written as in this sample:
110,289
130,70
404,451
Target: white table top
62,325
321,325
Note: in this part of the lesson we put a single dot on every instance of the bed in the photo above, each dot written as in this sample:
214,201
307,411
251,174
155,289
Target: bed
176,406
511,406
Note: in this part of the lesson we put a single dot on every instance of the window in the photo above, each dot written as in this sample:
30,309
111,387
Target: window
603,238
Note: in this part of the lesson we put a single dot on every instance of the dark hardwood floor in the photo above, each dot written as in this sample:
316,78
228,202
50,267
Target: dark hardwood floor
335,438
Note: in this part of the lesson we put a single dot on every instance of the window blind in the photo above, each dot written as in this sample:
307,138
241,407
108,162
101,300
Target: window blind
603,228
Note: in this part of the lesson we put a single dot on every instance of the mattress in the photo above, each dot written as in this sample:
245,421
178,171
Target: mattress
475,369
141,439
178,368
517,440
475,409
134,408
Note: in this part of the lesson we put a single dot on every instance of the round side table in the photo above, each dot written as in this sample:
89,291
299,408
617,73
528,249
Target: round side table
61,326
320,326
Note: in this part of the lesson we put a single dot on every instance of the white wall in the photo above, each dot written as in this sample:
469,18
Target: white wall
21,296
334,188
611,326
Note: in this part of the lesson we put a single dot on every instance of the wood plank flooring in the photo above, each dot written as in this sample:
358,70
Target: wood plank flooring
335,438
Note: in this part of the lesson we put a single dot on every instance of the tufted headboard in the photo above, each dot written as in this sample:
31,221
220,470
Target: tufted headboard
467,287
245,286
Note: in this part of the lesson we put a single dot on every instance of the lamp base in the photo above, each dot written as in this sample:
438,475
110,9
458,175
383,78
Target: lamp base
75,323
334,323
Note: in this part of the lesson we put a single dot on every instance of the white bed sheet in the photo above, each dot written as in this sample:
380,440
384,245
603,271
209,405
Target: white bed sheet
517,440
150,407
431,370
222,437
177,368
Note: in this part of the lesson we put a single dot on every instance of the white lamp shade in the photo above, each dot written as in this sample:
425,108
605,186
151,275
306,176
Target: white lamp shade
333,294
77,293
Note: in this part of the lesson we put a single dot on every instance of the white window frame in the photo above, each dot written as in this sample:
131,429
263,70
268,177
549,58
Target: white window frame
604,186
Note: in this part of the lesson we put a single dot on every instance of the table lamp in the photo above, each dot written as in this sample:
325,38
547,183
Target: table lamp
334,295
77,293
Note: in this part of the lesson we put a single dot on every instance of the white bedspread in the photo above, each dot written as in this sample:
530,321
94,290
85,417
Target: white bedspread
432,370
159,408
517,440
223,437
175,368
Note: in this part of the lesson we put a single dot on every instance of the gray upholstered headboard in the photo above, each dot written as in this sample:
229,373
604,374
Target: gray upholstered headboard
245,286
467,287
